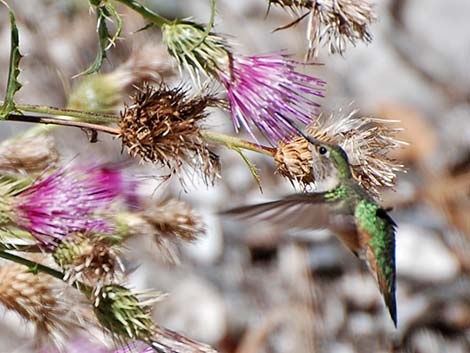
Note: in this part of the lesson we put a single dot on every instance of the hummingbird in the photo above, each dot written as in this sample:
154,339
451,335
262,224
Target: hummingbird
346,209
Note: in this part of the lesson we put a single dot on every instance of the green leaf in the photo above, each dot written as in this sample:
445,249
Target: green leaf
13,84
105,39
34,269
251,167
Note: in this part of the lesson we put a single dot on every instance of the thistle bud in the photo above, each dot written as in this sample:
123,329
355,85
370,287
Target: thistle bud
195,49
105,92
367,141
125,313
91,259
162,126
40,299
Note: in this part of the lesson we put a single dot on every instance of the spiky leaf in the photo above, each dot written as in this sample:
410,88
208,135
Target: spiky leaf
105,39
13,84
251,167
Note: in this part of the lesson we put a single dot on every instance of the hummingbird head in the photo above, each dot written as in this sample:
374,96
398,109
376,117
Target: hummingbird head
329,159
333,156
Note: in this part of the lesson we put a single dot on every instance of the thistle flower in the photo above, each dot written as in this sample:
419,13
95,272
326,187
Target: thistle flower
333,22
162,126
267,92
28,154
366,140
92,259
68,200
195,49
40,299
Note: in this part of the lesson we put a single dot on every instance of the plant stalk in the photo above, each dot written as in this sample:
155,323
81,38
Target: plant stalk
88,117
232,142
145,12
63,122
34,266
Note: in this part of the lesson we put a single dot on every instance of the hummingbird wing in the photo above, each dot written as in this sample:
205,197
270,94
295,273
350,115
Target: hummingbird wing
377,237
304,211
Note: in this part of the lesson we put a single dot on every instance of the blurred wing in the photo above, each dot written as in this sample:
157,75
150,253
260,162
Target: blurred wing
305,211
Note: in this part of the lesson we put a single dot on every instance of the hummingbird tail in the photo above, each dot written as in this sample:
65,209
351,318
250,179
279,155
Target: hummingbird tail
388,293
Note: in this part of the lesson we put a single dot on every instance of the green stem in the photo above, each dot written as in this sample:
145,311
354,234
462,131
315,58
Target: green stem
31,248
34,266
232,142
145,12
88,117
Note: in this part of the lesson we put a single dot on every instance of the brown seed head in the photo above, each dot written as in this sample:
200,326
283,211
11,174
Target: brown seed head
367,141
168,223
39,298
162,126
333,22
174,219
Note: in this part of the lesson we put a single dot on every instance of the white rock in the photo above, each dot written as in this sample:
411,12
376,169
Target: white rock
421,255
361,290
194,307
341,347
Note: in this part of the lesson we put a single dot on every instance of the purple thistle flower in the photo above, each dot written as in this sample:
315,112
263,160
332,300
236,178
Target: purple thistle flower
68,200
267,92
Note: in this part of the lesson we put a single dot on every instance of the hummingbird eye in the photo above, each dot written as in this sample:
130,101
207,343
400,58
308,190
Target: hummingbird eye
322,150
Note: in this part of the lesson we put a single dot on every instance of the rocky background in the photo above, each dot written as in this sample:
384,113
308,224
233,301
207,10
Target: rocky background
249,290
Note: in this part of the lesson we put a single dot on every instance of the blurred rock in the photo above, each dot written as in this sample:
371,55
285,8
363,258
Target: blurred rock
340,347
362,324
360,290
422,256
333,315
414,123
427,341
194,307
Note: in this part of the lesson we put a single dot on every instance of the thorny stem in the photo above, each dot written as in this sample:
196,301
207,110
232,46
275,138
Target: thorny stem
145,12
34,266
232,142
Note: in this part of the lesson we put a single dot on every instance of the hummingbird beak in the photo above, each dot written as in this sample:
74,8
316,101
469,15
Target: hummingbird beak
308,137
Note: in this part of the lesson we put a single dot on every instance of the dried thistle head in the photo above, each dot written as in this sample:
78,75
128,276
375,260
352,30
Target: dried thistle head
126,314
174,219
40,299
162,125
167,223
29,154
333,22
367,141
195,49
90,258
